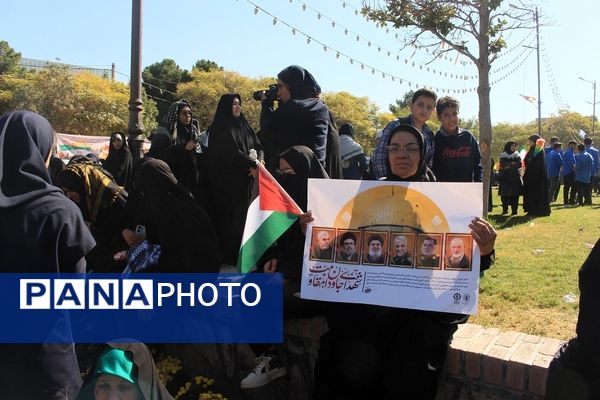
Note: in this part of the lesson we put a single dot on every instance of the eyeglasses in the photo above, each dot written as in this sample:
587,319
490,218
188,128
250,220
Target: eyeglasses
411,149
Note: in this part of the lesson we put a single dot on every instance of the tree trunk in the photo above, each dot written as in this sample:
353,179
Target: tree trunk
483,91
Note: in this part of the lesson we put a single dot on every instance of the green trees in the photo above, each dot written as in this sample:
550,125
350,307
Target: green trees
82,103
204,90
9,58
474,29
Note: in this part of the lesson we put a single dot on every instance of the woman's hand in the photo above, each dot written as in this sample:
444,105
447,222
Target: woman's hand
131,238
484,234
270,266
304,219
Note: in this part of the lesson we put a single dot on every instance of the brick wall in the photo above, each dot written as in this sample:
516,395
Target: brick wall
492,364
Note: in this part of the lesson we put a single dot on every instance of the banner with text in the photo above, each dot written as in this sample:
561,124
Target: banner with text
398,244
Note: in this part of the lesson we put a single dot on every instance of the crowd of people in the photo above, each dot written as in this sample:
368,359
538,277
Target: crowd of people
182,208
538,176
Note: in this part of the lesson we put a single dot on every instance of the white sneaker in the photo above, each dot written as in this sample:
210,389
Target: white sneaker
267,369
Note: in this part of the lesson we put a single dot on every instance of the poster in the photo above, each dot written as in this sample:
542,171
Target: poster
69,145
398,244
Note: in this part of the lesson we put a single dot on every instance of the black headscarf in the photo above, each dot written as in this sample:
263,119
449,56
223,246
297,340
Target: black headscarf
507,147
305,165
231,137
301,82
347,129
423,173
25,143
119,162
187,237
41,231
229,185
534,138
55,168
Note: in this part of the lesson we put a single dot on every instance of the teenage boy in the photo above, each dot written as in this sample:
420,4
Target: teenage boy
421,108
456,157
584,167
568,173
553,163
591,150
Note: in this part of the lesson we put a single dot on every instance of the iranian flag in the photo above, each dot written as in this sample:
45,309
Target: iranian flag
270,214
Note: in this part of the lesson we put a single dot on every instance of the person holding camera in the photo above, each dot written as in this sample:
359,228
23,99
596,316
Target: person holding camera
301,118
231,163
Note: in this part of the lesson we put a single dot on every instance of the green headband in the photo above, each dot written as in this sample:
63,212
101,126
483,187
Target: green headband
116,362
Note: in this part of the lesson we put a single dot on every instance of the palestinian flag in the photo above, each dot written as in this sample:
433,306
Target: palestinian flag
270,214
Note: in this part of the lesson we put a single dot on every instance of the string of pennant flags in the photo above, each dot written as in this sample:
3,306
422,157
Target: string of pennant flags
560,104
363,66
346,5
375,71
525,52
372,44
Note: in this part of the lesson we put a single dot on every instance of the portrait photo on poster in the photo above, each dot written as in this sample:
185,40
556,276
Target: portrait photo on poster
375,248
348,246
402,249
457,252
322,244
429,250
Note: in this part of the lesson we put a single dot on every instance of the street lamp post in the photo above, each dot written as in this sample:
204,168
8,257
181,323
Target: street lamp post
135,127
537,47
593,104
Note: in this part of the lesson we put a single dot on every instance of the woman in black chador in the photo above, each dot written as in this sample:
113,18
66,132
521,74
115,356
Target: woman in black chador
40,231
382,352
509,178
535,181
119,161
233,147
178,223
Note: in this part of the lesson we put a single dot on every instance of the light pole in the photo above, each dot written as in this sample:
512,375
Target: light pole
537,47
593,104
135,127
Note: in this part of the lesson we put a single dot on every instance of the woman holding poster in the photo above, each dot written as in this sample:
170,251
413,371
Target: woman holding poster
383,352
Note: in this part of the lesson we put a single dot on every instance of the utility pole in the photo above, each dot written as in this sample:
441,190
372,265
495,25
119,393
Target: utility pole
135,127
593,104
537,47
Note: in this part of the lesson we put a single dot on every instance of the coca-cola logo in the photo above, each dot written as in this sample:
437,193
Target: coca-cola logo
464,151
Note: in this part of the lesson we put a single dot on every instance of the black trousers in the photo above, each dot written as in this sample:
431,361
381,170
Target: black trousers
512,201
569,189
584,194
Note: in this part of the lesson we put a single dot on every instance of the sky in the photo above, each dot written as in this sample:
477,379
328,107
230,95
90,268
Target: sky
256,39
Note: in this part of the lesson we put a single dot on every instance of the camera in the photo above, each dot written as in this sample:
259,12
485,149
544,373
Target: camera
270,93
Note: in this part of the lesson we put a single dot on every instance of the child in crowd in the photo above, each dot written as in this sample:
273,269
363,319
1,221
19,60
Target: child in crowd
456,157
421,108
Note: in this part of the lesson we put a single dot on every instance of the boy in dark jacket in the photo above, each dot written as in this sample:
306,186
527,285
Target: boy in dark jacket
457,157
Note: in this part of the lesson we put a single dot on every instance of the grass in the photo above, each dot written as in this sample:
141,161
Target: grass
537,263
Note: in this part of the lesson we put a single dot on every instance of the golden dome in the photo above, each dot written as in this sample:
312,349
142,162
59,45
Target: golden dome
395,208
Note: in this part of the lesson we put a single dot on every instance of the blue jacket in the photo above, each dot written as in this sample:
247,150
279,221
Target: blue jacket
594,153
553,163
583,167
568,162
